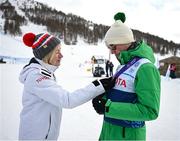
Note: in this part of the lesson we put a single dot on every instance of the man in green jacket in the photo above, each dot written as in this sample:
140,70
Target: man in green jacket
136,95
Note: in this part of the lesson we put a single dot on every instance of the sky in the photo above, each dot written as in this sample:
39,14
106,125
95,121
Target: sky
157,17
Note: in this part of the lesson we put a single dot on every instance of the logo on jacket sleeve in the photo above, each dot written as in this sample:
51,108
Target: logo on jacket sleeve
42,78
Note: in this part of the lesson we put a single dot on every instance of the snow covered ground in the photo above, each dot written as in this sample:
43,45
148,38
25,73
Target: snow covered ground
82,123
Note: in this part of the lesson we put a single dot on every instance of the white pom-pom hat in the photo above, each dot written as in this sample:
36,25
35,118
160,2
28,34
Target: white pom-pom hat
119,33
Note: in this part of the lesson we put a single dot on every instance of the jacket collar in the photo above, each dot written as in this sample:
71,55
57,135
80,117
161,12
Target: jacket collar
49,67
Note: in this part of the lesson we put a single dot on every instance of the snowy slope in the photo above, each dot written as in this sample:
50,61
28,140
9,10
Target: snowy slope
13,45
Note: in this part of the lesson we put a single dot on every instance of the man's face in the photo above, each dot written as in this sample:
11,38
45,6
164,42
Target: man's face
117,49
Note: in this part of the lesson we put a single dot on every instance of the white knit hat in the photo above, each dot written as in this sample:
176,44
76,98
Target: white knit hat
119,33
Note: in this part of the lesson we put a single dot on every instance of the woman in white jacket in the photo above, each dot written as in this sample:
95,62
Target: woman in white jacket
42,98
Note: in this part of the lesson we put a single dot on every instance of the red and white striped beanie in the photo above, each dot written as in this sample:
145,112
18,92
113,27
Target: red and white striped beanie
41,44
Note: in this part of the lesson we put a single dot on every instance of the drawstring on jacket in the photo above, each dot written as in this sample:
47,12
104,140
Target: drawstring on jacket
123,132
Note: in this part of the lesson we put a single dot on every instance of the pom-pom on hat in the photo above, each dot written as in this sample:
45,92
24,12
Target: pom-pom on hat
41,44
119,33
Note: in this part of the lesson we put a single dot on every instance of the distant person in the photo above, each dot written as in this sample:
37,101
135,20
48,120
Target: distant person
43,99
135,97
111,66
107,68
172,70
2,61
168,71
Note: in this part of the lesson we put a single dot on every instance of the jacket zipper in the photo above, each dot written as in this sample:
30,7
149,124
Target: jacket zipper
49,127
123,132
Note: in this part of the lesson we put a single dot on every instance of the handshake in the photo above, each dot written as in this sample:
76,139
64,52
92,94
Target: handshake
99,101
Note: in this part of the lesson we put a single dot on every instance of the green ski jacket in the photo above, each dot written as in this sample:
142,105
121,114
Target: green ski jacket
147,88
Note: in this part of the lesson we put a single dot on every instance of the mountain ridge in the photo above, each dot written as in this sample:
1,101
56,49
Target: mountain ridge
68,27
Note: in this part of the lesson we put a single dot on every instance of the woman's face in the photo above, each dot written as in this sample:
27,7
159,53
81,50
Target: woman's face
56,56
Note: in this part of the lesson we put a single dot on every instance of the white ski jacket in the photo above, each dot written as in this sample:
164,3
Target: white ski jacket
43,101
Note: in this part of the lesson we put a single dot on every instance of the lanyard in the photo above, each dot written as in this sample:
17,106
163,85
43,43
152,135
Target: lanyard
127,66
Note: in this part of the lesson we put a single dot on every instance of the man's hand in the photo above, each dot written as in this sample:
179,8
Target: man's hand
99,104
108,83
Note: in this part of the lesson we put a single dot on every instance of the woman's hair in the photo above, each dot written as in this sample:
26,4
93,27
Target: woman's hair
47,58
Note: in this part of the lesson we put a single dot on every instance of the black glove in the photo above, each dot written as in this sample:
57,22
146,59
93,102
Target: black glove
99,104
108,83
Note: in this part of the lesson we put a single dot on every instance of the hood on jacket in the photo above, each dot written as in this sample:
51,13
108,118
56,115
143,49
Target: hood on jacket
35,64
26,70
141,50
